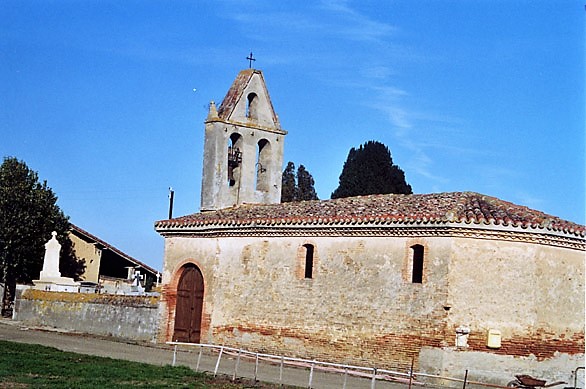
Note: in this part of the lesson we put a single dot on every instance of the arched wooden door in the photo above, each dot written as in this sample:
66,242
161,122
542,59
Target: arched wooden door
189,305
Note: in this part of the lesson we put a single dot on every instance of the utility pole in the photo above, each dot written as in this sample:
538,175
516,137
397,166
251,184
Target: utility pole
171,196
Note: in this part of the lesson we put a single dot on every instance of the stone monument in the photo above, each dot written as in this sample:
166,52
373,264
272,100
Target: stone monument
50,278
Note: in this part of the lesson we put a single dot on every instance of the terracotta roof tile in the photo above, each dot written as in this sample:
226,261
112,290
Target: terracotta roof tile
438,208
234,93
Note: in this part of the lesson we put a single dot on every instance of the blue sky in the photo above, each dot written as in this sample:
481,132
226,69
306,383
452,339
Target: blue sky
106,99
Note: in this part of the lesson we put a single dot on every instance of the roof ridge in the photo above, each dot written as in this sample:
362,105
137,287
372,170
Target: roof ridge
110,247
444,207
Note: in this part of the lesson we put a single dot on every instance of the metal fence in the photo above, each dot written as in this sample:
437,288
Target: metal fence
241,363
310,366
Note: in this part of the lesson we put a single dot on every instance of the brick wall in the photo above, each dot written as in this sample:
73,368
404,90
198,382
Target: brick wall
361,306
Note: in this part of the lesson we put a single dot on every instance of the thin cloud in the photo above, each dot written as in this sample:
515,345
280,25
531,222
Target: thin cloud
387,97
357,26
389,92
457,150
398,116
342,22
374,73
260,22
377,72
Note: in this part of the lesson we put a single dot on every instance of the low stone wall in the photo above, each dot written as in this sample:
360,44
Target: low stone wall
129,317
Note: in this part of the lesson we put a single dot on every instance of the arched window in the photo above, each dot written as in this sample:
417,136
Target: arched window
308,260
263,160
417,257
252,106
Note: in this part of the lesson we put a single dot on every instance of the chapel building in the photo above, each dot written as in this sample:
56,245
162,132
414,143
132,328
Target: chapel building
450,281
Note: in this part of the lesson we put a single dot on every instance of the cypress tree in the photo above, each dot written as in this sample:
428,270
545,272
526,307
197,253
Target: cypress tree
297,186
288,184
305,185
370,170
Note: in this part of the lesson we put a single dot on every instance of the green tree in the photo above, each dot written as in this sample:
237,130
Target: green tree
297,186
370,170
28,215
305,185
288,186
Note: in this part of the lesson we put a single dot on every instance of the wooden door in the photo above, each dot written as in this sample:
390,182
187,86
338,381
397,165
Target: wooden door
189,306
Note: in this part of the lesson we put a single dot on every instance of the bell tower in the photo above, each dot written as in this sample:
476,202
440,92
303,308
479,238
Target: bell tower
243,147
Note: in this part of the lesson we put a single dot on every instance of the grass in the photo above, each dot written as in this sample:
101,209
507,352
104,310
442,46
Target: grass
34,366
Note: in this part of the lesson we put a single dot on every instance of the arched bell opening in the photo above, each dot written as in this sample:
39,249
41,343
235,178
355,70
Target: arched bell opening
263,163
234,158
252,106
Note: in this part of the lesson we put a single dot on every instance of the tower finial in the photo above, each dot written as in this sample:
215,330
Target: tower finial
250,58
212,112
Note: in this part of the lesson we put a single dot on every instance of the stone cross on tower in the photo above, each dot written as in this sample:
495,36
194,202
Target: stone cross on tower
243,147
250,58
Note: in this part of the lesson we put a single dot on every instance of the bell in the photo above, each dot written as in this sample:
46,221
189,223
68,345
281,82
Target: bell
231,179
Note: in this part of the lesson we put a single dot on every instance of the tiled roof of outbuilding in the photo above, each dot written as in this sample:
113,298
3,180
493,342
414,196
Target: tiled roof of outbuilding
81,232
435,208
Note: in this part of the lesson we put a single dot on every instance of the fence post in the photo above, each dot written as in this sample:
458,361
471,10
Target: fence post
198,358
373,379
345,377
281,371
174,355
236,366
218,361
576,376
311,374
256,368
411,373
465,379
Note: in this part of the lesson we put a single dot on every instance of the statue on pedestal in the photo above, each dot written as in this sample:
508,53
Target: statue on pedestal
50,278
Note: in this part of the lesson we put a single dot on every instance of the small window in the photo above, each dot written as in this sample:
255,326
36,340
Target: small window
417,274
308,260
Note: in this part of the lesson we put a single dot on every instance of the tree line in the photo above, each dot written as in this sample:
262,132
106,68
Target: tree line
367,170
